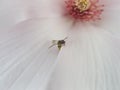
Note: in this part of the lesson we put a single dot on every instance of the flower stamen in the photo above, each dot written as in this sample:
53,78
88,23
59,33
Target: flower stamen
82,5
84,10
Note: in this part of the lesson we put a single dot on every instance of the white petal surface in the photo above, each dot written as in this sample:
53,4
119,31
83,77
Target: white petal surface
89,61
111,20
16,11
26,61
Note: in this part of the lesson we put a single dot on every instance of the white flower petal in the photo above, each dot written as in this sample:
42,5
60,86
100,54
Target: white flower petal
15,11
26,61
110,20
89,61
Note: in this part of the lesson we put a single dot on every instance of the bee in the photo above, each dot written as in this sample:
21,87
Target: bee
58,43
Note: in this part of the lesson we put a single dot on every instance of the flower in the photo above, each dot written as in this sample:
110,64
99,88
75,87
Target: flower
85,10
89,53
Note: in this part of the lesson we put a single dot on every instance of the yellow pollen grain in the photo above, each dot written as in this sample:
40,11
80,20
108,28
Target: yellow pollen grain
82,5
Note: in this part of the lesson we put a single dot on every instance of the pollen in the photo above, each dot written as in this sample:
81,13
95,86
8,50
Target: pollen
82,5
84,10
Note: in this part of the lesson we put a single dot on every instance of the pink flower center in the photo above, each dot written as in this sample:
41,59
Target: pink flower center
84,10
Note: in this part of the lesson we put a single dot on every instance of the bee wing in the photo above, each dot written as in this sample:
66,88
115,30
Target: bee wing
54,41
65,38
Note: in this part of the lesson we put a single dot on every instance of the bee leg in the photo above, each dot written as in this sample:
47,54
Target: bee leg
52,45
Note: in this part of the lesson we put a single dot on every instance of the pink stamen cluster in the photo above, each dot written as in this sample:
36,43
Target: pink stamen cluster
91,14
